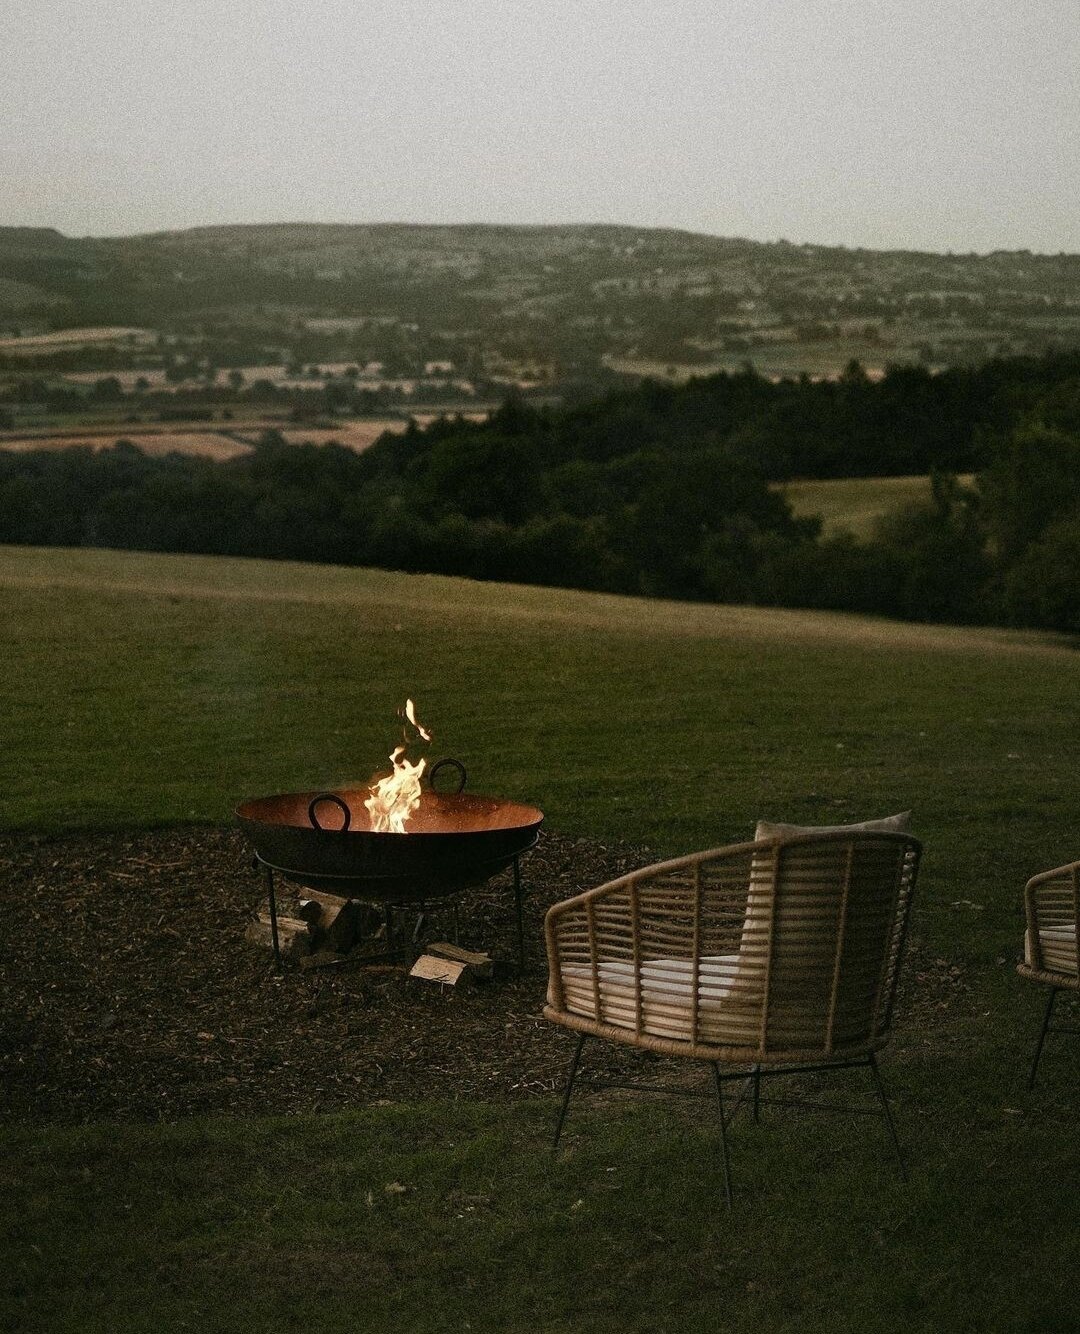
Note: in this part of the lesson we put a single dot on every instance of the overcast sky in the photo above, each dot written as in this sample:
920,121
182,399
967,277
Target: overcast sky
931,124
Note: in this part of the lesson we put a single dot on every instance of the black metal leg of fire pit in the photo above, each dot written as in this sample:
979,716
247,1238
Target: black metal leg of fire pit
269,876
520,918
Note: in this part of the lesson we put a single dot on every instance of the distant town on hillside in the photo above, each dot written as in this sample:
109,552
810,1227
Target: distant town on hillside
418,315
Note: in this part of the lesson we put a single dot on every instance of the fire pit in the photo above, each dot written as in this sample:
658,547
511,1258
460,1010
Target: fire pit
325,840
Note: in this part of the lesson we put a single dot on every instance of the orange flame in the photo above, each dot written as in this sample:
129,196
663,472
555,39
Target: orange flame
410,713
395,797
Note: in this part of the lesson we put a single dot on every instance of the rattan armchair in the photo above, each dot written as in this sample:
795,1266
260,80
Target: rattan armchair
1052,942
777,956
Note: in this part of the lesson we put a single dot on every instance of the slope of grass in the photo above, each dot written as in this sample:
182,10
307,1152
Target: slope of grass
854,504
141,690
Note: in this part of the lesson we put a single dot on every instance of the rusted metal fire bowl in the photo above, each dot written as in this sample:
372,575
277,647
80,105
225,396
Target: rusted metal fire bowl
454,840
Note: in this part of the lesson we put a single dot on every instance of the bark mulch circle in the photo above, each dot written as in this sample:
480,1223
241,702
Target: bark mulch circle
130,993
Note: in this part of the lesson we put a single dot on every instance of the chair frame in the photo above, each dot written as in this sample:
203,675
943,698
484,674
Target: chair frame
564,922
1049,895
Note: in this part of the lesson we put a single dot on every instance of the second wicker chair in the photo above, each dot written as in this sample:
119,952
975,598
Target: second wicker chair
1052,944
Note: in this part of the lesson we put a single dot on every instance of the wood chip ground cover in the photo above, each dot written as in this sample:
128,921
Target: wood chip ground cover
130,993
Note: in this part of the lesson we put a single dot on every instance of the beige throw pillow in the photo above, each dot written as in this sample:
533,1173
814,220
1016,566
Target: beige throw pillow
889,824
757,923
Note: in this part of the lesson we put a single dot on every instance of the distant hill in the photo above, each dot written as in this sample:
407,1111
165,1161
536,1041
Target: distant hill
33,239
554,301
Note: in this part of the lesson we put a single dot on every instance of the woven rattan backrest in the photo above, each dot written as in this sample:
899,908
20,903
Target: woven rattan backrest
783,945
675,910
839,911
683,910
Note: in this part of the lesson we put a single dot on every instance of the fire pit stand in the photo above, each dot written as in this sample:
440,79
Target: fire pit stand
456,841
366,892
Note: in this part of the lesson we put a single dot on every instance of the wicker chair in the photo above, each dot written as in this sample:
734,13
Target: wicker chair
781,956
1052,942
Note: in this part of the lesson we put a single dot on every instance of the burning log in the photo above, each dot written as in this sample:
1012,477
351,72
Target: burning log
396,796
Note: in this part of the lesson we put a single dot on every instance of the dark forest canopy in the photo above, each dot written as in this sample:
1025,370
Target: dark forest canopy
907,422
656,490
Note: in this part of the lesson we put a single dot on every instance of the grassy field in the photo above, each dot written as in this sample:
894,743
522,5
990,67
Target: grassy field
144,690
825,360
855,504
68,338
225,440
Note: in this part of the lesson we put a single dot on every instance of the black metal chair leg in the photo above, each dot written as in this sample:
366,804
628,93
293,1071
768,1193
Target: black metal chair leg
570,1077
1042,1036
887,1113
724,1160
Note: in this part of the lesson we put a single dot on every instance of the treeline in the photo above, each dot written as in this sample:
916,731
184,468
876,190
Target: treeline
657,490
909,421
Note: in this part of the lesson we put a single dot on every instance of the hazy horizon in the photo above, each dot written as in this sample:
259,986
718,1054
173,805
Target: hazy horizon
825,122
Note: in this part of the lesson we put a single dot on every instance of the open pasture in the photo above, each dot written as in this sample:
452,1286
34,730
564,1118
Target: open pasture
854,504
225,443
198,678
157,380
228,442
776,360
62,339
356,434
205,444
142,691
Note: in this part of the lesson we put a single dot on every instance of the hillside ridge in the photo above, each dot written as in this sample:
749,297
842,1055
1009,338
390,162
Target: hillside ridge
209,231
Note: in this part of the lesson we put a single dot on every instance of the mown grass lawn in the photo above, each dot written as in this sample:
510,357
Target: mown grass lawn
141,690
430,1218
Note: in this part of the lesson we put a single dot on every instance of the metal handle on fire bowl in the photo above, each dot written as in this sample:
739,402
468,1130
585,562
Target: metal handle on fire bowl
328,796
454,764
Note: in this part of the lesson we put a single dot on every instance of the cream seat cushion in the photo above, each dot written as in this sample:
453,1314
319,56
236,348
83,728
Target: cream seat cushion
666,992
1058,948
